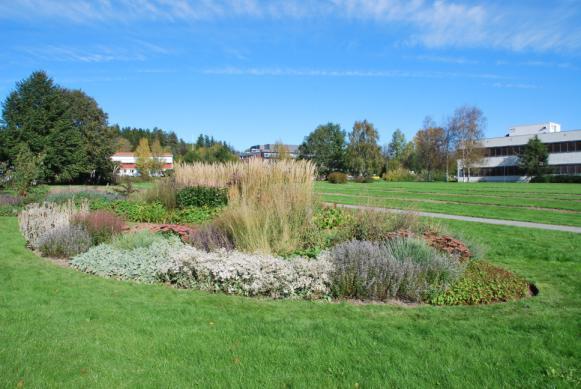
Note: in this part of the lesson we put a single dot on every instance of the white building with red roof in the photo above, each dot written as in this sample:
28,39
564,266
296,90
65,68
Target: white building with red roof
127,163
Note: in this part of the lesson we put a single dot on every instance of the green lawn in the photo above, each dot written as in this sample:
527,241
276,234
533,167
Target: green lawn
62,328
541,203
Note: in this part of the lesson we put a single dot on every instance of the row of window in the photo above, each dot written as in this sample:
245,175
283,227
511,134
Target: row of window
499,171
556,147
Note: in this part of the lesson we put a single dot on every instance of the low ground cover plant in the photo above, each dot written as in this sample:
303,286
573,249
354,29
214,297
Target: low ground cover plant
155,212
483,283
155,258
140,263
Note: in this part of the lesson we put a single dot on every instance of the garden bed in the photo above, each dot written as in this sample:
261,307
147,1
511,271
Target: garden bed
254,229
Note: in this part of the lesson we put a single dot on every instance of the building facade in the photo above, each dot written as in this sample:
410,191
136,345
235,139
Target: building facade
501,155
127,163
269,151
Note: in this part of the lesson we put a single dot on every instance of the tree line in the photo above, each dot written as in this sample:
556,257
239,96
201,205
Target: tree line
432,152
60,135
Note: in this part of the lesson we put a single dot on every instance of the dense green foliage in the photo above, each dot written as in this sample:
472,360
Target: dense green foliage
66,127
534,160
62,328
155,212
483,283
363,153
557,179
325,146
167,139
202,196
209,150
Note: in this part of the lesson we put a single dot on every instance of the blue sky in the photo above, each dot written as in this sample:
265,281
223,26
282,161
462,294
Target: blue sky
249,71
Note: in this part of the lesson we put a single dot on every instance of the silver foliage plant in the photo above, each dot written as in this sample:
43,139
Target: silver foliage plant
139,263
38,220
401,268
233,272
404,268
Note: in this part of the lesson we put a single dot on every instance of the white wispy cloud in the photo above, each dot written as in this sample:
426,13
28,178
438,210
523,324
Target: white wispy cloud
446,59
136,50
509,85
301,72
432,23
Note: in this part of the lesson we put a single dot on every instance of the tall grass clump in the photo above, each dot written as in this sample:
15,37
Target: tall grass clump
407,269
164,191
269,203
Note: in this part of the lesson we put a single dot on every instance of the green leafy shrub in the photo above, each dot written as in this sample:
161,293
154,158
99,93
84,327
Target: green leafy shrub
101,225
483,283
330,217
202,196
404,268
557,179
143,212
337,178
399,175
65,241
36,194
134,211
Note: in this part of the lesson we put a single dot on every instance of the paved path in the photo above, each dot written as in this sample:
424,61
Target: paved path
501,222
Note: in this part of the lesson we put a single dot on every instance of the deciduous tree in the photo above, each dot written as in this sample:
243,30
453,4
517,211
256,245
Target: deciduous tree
468,125
429,145
143,158
325,146
363,152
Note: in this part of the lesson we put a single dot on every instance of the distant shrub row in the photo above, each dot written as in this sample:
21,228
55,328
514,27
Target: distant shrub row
557,179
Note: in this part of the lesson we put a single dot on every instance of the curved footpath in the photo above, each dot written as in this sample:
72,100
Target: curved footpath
502,222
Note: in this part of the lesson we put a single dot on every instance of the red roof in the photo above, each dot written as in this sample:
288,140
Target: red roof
132,154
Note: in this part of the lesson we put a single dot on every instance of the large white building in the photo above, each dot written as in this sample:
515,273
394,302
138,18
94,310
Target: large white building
500,162
127,163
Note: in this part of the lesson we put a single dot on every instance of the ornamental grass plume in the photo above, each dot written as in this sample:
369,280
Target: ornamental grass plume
269,203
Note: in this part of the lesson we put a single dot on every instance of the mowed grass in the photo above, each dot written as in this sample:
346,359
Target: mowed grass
62,328
540,203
